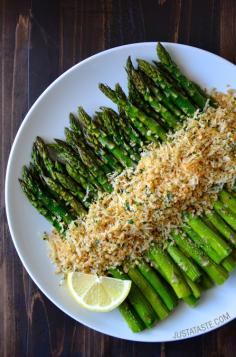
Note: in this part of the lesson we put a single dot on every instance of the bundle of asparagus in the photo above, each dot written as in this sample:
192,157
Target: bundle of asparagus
64,178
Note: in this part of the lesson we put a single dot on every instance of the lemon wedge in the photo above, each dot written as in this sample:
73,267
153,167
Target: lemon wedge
101,294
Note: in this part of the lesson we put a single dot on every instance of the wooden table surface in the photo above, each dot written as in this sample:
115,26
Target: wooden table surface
40,39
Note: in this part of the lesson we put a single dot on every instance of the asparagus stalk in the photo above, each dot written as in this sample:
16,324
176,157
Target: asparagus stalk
77,207
160,96
148,113
195,288
50,203
102,153
202,243
87,156
93,167
228,200
167,116
206,282
69,156
173,69
137,300
126,130
229,263
139,125
132,134
45,167
179,99
148,291
72,186
214,271
43,153
90,189
134,113
209,224
131,317
209,236
227,215
222,227
137,99
108,120
154,280
184,263
164,264
168,77
103,139
58,181
41,208
180,89
77,137
191,300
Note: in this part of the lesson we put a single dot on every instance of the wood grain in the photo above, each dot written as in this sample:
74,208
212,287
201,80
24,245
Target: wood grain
39,41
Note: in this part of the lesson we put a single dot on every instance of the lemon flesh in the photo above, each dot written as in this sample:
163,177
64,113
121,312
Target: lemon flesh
101,294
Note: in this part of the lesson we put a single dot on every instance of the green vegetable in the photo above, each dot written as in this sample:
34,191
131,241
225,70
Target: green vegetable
190,88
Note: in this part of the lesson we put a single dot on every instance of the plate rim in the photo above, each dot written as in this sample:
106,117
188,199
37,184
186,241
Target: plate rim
9,163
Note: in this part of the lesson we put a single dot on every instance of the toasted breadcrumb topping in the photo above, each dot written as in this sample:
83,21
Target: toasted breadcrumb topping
184,174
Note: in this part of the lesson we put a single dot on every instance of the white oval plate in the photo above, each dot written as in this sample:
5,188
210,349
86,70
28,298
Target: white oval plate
47,118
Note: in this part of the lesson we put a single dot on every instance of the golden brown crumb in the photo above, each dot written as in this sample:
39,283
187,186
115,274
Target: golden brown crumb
184,174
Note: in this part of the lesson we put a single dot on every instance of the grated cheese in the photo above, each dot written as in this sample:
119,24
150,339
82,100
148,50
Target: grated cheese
184,174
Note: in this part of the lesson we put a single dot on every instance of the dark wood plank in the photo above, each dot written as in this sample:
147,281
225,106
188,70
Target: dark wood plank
161,19
40,40
44,46
82,30
14,104
228,29
199,24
